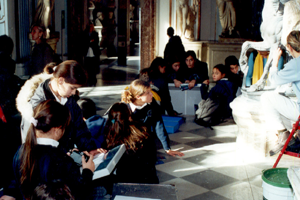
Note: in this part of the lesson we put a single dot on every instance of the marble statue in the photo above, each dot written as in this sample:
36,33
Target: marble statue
99,19
279,18
43,14
227,17
187,18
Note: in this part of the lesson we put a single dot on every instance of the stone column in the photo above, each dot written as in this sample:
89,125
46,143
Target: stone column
148,32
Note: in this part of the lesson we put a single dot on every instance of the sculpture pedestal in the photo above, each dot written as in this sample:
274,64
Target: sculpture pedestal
254,138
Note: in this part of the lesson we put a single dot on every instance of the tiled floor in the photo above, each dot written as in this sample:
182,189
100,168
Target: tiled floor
212,168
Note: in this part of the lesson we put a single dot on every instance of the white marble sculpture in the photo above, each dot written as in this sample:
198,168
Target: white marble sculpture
43,14
279,18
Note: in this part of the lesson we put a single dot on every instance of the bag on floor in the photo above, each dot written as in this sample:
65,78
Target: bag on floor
209,112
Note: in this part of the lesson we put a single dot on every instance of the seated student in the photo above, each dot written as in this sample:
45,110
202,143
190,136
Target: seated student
232,63
94,122
139,98
55,190
276,106
256,63
137,165
196,72
39,160
158,78
175,72
223,90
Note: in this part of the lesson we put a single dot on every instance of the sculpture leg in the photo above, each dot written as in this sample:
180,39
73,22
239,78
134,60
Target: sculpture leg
184,17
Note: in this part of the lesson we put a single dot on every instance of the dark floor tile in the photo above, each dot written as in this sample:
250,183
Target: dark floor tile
205,132
209,179
159,145
202,143
162,176
207,196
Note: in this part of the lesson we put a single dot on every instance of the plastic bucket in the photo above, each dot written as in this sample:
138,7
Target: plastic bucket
276,185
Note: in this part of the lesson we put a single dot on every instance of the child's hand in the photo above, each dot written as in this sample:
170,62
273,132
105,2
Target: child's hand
177,83
174,153
192,84
206,82
89,164
96,151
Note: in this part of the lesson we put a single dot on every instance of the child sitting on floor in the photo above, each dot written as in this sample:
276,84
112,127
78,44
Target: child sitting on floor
94,122
215,107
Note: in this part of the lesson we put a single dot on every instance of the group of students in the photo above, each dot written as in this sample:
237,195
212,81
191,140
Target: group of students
53,125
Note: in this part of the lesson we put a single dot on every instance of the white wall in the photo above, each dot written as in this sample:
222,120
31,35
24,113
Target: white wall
210,24
162,25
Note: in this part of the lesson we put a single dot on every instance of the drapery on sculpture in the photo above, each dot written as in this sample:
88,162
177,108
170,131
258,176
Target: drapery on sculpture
227,16
186,16
43,15
279,18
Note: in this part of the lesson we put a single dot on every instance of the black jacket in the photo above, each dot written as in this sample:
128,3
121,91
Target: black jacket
51,164
199,72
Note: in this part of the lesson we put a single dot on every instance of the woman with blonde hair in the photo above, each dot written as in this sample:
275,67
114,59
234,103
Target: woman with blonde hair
139,98
278,106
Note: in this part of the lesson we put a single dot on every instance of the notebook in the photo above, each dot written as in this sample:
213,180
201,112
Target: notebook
104,167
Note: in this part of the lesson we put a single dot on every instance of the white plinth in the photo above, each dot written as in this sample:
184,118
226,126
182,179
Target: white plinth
184,101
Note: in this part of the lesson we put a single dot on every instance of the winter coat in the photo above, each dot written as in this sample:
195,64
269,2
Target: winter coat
36,90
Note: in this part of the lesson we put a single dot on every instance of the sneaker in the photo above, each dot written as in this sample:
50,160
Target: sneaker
281,141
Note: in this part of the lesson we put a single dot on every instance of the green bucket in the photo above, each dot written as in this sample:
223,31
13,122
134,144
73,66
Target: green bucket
276,184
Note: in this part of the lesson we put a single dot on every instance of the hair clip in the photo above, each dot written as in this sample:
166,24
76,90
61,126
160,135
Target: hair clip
113,121
54,68
33,121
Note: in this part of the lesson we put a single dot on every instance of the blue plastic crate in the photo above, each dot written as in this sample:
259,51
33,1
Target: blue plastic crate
180,120
172,123
171,127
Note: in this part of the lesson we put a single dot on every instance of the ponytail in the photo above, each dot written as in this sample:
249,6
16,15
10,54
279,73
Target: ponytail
137,88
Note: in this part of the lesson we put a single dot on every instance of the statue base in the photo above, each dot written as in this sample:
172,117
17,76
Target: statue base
254,138
232,40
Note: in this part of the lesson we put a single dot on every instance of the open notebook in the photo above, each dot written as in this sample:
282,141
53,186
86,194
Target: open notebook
105,166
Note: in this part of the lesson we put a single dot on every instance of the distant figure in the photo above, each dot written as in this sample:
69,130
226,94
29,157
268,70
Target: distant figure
227,17
174,48
236,75
91,52
99,19
170,32
42,53
43,14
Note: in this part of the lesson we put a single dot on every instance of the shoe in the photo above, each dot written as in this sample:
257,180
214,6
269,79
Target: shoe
281,141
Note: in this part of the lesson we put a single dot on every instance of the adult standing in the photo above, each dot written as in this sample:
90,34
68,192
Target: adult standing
277,106
91,52
42,53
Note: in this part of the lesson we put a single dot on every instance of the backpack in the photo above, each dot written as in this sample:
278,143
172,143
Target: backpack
214,109
209,112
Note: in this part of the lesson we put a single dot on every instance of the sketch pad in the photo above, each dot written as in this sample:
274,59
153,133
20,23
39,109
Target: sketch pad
105,167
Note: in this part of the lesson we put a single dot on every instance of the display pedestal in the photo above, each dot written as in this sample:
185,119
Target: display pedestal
253,137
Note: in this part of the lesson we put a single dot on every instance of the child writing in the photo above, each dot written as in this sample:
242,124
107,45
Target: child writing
39,160
137,165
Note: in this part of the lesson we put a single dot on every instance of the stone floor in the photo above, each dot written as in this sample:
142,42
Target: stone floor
212,168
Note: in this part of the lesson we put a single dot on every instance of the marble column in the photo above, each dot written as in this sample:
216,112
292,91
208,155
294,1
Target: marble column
148,32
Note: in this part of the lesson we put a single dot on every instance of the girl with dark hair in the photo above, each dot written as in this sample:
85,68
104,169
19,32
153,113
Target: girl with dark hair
139,98
59,83
39,160
176,71
158,77
137,165
196,72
